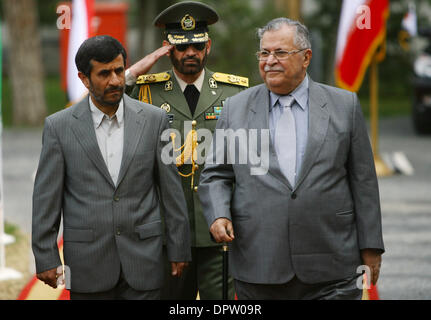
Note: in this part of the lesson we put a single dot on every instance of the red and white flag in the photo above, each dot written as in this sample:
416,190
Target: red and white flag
361,31
410,20
82,15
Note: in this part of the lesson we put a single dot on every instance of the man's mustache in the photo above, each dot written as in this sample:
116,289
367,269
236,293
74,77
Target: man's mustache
183,60
268,68
113,89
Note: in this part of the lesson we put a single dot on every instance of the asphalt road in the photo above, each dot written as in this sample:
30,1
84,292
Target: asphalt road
405,200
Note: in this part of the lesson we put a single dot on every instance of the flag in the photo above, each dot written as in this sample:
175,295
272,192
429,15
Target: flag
82,15
410,21
361,30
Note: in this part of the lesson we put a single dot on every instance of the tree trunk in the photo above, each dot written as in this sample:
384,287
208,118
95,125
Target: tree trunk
25,62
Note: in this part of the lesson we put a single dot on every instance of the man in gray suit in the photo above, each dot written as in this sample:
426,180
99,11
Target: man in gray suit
101,170
312,222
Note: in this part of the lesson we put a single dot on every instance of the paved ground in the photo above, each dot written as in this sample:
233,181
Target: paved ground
406,204
406,209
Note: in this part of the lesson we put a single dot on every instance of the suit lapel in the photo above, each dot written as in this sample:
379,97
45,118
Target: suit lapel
176,98
85,133
207,96
318,119
133,127
259,119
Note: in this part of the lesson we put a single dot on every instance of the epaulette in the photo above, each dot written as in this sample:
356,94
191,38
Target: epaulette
231,79
152,78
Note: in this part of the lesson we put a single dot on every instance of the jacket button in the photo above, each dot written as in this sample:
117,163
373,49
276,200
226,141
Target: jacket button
293,196
116,199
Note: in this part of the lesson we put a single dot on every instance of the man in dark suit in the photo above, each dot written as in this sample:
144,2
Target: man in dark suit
301,229
101,171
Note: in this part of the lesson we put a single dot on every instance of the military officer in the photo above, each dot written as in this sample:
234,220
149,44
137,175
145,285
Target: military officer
189,92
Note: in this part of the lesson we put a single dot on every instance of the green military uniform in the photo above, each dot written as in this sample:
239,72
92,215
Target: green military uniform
186,24
163,90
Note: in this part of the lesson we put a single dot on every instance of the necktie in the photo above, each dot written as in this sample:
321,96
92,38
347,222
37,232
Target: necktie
192,96
285,139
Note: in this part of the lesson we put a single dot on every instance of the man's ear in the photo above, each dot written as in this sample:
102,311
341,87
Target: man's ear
209,46
307,57
84,79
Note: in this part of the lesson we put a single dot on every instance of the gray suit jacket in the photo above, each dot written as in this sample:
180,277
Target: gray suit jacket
108,226
316,228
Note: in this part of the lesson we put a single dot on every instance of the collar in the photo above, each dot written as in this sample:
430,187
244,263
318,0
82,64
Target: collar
98,115
300,94
198,83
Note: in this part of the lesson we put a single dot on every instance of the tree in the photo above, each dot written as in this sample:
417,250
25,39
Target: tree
25,67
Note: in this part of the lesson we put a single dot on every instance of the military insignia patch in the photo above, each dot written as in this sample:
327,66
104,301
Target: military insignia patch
170,117
212,83
215,114
168,85
188,22
165,106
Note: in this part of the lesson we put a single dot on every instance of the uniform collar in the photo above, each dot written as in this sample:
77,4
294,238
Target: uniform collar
198,83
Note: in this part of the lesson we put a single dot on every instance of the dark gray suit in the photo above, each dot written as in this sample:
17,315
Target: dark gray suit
108,228
316,229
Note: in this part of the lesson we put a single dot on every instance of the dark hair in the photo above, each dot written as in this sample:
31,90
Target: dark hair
102,49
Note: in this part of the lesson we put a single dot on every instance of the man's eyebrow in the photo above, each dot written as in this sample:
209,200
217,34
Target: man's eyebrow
104,71
278,49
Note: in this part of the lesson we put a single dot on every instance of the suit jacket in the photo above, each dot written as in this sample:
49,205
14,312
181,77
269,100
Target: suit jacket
108,228
172,100
316,228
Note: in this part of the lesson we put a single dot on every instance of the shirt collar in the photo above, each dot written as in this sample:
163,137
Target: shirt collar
198,83
98,115
300,94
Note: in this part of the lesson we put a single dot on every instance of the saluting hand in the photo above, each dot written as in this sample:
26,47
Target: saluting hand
144,65
222,230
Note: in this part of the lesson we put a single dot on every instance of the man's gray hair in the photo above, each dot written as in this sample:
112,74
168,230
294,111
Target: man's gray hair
302,36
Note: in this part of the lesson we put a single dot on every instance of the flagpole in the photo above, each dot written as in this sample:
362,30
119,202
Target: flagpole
381,168
5,273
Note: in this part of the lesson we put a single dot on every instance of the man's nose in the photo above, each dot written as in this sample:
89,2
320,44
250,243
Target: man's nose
114,80
190,51
272,60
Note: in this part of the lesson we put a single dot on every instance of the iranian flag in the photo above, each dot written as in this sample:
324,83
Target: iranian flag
362,29
82,14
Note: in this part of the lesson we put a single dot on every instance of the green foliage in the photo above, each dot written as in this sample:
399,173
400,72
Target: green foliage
56,98
325,21
234,37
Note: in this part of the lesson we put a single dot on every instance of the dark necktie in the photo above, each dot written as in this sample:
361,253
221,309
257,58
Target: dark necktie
192,96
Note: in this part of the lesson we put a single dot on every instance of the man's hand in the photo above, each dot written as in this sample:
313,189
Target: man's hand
49,277
373,259
144,65
177,268
222,230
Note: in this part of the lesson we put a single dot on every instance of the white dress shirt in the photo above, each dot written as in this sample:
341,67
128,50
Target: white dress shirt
198,83
110,137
